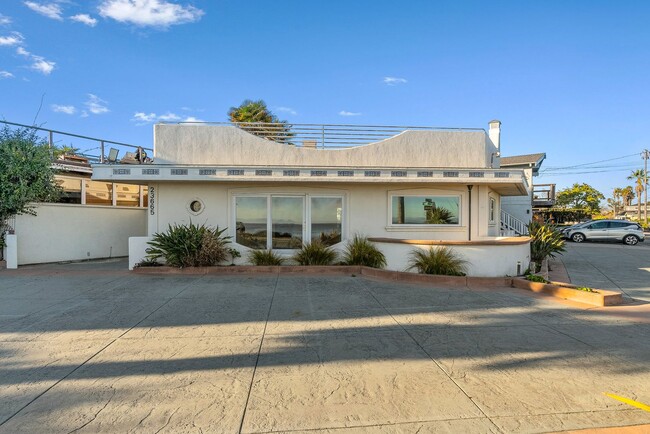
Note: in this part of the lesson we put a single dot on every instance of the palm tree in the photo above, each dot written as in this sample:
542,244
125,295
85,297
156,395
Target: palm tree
256,118
638,176
627,194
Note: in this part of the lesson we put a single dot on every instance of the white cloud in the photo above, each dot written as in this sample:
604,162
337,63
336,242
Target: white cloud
4,20
67,109
84,19
347,113
394,81
192,119
84,114
286,110
96,105
169,117
43,66
6,74
50,10
142,118
156,13
14,39
23,52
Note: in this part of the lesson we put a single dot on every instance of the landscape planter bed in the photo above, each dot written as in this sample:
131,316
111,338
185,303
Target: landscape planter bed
402,276
600,297
555,289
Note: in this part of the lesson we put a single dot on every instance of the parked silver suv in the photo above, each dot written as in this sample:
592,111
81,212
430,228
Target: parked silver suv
605,230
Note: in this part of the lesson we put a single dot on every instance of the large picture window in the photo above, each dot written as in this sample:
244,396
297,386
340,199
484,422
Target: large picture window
285,222
425,210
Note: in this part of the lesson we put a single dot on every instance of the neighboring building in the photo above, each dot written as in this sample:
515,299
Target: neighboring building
518,210
413,190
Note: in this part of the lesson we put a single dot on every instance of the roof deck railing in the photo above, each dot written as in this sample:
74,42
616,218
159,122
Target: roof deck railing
323,136
85,144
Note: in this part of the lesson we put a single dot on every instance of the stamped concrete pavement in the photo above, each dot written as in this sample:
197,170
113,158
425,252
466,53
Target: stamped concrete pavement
610,266
92,348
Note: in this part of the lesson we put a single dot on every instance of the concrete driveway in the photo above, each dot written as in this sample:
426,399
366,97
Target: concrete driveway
610,266
92,348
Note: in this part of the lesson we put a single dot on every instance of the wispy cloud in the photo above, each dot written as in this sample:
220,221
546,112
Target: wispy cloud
152,13
347,113
142,118
394,81
41,65
14,38
67,109
4,20
286,110
6,74
50,10
96,105
23,52
84,19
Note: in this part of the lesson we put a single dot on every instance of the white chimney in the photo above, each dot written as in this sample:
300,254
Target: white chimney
495,134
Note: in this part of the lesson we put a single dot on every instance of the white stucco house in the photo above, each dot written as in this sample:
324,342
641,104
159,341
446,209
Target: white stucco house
416,189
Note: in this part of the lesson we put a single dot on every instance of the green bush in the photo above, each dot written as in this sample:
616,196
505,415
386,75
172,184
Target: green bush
536,278
189,246
546,241
437,260
315,253
360,251
265,257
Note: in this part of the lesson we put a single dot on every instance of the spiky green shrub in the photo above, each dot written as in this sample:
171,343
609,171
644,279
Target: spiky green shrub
315,253
437,260
189,246
265,257
546,241
360,251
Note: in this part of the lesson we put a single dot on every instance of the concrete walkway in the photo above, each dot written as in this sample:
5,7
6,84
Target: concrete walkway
92,348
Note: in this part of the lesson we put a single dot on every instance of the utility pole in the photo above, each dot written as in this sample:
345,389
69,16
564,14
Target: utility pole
645,154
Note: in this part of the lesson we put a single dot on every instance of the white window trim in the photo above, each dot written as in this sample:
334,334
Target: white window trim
395,226
306,217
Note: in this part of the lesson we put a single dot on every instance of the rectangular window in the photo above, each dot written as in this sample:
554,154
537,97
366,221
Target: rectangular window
285,222
251,221
127,194
70,189
493,207
425,210
326,215
99,193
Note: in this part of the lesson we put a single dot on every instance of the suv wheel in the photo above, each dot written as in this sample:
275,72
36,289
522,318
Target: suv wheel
630,240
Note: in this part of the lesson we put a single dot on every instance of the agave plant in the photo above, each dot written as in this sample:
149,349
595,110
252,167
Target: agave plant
189,246
546,241
265,257
315,253
360,251
437,260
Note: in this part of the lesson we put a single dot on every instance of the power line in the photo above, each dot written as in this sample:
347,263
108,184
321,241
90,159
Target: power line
594,162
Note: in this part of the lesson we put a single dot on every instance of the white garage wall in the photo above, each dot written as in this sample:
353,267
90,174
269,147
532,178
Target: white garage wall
63,232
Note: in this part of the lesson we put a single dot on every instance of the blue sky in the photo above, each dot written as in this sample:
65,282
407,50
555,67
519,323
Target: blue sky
569,78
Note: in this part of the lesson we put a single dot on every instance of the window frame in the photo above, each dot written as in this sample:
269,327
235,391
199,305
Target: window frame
392,225
306,216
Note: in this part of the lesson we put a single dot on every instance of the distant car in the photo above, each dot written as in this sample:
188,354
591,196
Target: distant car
605,230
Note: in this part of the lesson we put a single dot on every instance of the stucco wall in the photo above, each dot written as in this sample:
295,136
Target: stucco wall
62,232
521,206
227,145
366,211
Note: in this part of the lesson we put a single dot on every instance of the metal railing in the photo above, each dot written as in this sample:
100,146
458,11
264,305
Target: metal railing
82,142
512,223
323,135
